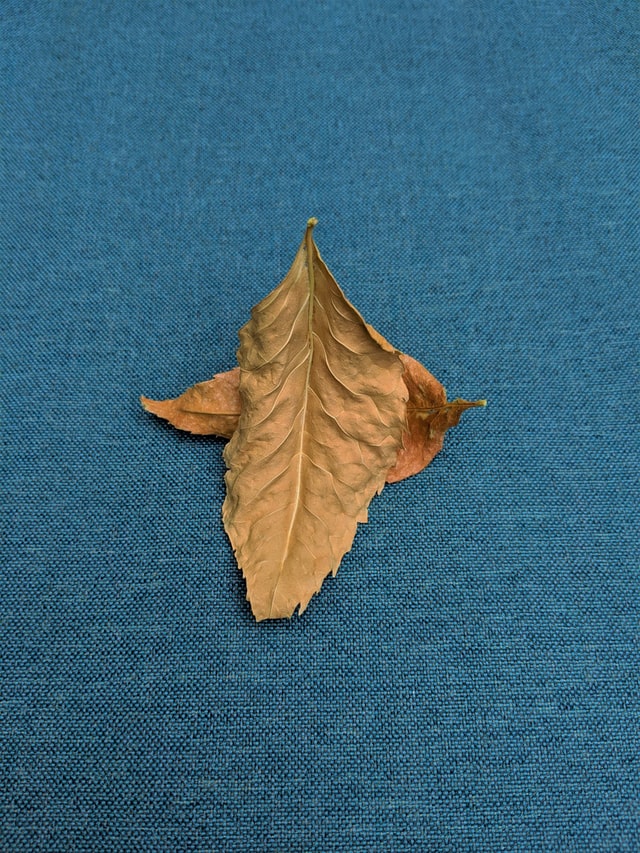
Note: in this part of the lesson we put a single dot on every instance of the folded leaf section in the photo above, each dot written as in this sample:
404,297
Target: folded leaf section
207,408
323,412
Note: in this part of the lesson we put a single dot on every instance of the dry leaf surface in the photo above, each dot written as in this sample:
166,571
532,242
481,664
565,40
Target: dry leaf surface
429,416
213,408
207,408
322,417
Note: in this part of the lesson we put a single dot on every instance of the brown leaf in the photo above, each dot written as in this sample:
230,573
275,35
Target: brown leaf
429,416
321,410
321,423
208,408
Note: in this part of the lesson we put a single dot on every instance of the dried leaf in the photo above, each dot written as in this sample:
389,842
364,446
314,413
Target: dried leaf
429,416
321,423
320,412
207,408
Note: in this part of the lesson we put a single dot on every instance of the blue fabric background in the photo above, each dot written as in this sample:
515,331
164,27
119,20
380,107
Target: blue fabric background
469,680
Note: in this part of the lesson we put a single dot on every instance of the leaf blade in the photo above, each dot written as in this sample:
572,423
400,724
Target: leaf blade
206,408
429,416
321,423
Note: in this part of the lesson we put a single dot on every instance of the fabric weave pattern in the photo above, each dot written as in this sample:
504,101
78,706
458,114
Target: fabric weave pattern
469,680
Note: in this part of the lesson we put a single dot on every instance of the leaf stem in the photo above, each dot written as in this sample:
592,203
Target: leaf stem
451,404
310,272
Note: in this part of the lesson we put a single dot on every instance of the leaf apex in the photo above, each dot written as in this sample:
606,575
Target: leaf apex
311,223
466,404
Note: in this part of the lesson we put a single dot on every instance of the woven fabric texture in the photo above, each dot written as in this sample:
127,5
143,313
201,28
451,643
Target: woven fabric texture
469,680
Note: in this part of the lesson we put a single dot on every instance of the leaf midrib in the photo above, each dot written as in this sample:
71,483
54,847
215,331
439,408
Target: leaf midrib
303,431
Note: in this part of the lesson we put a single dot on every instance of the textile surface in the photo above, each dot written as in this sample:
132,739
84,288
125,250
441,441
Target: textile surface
469,680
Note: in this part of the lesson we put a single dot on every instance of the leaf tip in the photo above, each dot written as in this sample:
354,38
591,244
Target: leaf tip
311,223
